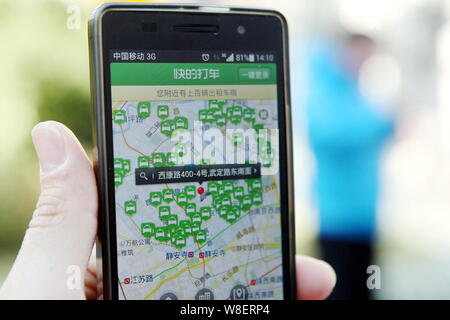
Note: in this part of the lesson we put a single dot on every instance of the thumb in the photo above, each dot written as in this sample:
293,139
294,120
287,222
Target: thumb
55,251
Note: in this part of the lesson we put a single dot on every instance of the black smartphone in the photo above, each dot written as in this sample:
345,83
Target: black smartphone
194,159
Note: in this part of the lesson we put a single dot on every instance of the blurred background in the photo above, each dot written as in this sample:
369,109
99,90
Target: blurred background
371,112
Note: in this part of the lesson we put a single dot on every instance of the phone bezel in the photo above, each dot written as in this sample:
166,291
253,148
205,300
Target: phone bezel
100,44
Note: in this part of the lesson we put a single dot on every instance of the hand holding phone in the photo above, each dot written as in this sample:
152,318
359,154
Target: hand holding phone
55,260
194,152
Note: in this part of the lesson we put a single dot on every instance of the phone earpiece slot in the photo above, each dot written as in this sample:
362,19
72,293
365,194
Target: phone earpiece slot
198,28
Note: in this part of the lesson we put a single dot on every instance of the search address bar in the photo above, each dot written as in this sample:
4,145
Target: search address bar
193,173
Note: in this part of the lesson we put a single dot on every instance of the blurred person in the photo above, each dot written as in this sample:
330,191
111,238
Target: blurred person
63,227
346,134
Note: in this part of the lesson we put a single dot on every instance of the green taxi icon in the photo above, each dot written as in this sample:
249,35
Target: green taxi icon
190,208
187,230
155,198
143,109
195,227
117,163
196,218
164,212
246,202
221,121
167,195
172,220
231,216
130,207
200,236
179,242
167,127
178,231
120,116
212,188
238,192
229,112
257,198
228,186
217,201
159,159
126,165
186,225
143,162
182,198
161,234
171,159
122,166
254,185
249,115
121,172
203,115
236,120
147,229
163,111
210,116
181,123
190,192
223,211
205,212
226,200
236,111
217,113
118,178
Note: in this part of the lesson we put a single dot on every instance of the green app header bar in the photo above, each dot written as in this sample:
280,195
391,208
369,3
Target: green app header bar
149,74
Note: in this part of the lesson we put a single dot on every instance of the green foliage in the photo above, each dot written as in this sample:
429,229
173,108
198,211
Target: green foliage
61,101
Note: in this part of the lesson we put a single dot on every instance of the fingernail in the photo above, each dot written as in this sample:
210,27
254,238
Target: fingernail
49,144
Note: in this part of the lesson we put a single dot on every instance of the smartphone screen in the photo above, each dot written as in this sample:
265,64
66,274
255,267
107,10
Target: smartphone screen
198,168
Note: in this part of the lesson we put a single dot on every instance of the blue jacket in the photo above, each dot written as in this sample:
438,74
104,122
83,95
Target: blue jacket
346,135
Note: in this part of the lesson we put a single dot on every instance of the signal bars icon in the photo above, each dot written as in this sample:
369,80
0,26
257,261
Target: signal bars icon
230,58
